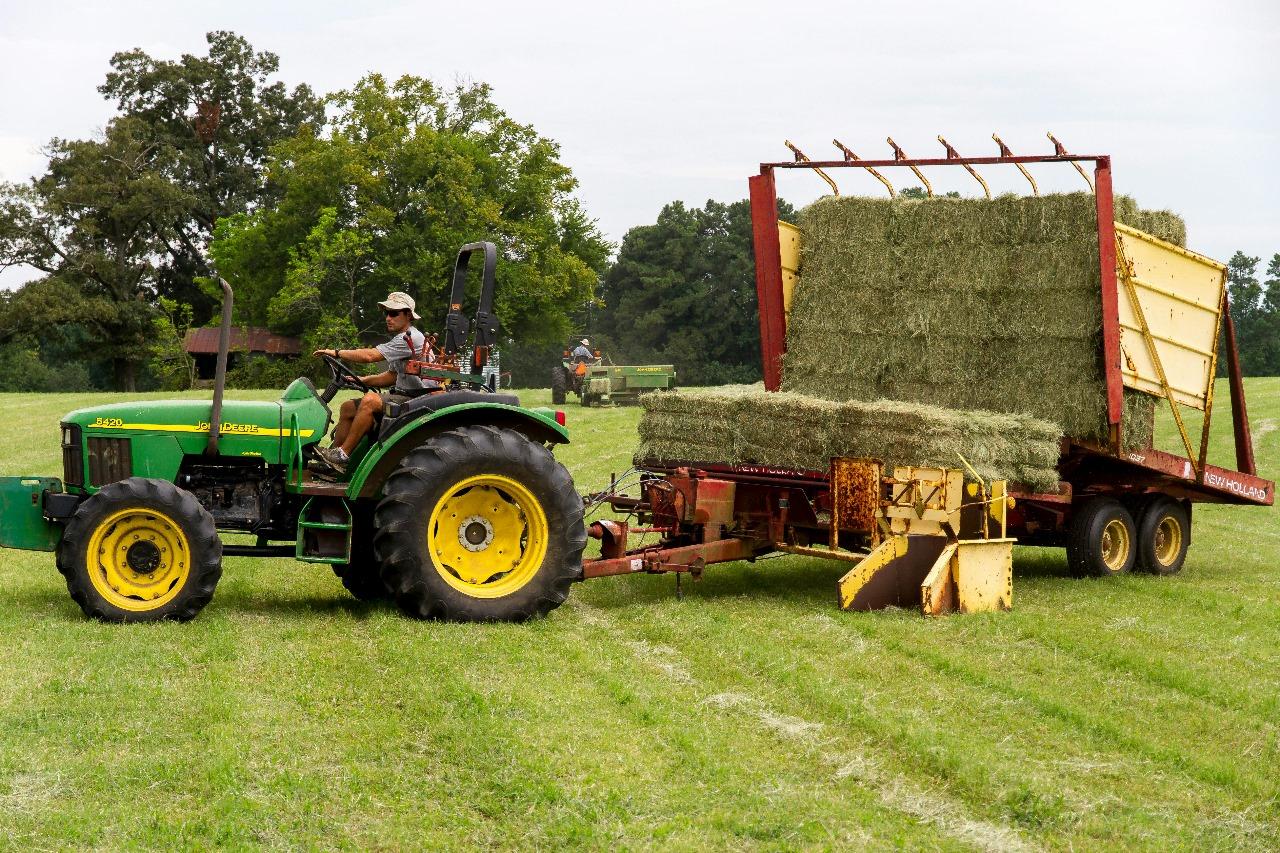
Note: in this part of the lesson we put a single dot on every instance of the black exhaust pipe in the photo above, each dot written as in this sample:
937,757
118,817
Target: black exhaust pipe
220,375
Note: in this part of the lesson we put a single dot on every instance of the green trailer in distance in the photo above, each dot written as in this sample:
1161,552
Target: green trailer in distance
620,384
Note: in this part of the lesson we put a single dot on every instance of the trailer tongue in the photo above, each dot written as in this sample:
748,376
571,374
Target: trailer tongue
919,538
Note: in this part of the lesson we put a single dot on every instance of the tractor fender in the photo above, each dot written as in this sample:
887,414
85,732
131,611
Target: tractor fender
383,458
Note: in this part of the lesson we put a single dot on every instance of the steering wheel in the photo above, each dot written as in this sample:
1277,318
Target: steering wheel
343,377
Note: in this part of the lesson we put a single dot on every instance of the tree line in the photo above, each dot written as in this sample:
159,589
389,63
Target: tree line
316,206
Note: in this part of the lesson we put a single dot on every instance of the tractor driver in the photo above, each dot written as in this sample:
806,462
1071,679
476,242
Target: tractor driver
356,417
582,352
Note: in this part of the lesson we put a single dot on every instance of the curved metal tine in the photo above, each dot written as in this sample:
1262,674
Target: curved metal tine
953,154
1005,152
1061,151
899,154
801,157
853,158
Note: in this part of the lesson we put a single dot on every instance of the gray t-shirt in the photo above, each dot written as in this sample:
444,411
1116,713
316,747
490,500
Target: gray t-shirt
397,352
582,352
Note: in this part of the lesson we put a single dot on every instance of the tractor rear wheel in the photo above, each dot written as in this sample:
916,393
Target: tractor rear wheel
480,524
141,550
1164,534
558,385
1103,539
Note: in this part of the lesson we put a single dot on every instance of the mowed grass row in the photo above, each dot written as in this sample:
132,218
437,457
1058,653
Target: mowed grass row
753,713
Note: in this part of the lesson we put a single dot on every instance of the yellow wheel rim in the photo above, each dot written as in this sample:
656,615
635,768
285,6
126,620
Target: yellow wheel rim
1115,545
138,559
487,536
1168,540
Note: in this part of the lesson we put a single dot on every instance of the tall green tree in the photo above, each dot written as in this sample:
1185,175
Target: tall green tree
211,121
1247,310
405,174
1266,324
683,291
88,224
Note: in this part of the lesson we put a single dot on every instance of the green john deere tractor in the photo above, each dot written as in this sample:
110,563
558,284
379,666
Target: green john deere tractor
601,384
454,505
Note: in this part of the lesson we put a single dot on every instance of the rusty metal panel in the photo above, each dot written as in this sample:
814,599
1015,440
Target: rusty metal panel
714,503
855,494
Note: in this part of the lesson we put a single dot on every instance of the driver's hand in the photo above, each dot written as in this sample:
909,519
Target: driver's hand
321,352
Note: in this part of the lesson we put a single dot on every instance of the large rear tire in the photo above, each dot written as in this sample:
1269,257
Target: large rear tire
1164,534
558,385
480,524
141,550
1103,539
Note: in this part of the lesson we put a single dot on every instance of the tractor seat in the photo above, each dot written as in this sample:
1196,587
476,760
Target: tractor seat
396,415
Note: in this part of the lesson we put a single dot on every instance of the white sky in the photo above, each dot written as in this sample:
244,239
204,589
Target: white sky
658,100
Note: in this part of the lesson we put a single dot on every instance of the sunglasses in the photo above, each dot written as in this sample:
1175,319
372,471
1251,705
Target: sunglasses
394,313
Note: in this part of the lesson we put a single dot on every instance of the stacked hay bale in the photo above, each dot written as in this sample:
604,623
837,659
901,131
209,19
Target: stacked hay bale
962,303
745,424
924,330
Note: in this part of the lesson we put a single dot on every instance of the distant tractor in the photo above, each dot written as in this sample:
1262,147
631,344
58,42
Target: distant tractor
598,383
454,505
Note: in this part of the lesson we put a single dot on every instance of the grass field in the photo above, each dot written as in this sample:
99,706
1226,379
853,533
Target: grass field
1136,712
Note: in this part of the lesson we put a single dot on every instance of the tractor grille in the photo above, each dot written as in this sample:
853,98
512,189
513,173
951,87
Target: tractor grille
72,455
110,460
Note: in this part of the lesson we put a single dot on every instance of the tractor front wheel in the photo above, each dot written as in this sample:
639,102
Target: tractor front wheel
480,524
141,550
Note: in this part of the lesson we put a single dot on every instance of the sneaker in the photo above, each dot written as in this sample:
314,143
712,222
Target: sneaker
332,458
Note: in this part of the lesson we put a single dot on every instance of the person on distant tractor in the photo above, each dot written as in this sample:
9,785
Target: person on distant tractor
582,352
357,417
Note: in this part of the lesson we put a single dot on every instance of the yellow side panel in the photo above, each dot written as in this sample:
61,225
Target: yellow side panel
856,578
984,575
1180,293
938,592
789,244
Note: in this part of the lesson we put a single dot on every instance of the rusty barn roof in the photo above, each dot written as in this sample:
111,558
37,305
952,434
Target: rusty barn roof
243,339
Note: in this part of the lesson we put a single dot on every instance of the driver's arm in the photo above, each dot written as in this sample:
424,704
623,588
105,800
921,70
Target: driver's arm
359,356
386,379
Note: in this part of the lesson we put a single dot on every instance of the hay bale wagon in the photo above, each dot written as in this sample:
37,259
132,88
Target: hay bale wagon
939,535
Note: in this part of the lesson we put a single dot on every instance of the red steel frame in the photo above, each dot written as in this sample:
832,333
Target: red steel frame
1242,484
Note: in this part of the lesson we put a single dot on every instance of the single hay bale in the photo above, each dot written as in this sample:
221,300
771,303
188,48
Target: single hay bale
804,433
971,304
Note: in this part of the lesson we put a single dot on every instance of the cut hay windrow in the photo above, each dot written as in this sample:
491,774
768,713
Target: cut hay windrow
803,432
974,304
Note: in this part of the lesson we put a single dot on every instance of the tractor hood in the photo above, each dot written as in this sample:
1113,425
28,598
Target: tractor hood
181,427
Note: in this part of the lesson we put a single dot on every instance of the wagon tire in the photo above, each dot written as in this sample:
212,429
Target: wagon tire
1103,539
141,550
1164,534
480,524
